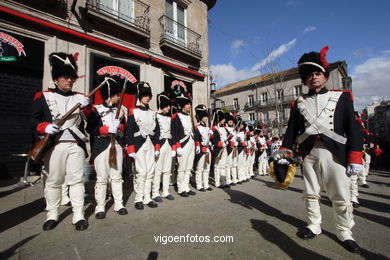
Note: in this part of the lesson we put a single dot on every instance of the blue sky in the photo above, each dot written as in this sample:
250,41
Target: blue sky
247,36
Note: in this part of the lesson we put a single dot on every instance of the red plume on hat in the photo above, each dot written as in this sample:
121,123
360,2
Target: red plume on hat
323,52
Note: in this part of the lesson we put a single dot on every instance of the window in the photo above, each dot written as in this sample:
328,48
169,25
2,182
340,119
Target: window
235,104
123,9
264,98
251,116
222,103
250,101
265,117
279,94
177,22
297,91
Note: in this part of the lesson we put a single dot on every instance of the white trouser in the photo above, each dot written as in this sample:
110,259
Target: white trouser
64,163
230,171
247,166
233,167
251,162
185,164
163,168
144,166
354,188
220,169
364,173
202,172
262,163
320,171
64,194
241,169
105,174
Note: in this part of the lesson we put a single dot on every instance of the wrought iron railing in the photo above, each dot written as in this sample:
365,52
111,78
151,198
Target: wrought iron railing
178,34
231,108
137,14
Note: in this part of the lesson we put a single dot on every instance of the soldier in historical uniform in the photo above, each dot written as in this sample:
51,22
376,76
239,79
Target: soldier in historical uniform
142,145
202,150
241,158
232,150
262,153
102,124
251,151
63,160
330,141
183,138
220,141
167,150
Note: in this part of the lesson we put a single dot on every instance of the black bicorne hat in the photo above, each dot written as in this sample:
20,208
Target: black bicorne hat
219,115
163,100
229,116
312,62
63,64
200,112
111,87
143,90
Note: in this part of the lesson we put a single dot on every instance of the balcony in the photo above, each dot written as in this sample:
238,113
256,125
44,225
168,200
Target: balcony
273,101
231,108
135,19
250,106
176,36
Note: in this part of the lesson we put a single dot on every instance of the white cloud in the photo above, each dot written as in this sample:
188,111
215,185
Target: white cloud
273,55
225,74
309,29
371,81
236,46
290,3
386,52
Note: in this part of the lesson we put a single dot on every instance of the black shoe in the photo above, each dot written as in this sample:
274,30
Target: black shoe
365,186
240,182
169,197
100,215
184,194
202,190
351,246
158,199
192,193
306,233
139,205
226,187
122,211
49,225
81,225
152,204
355,204
232,184
209,189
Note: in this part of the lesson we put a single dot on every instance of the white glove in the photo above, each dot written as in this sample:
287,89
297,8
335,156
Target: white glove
173,154
84,102
132,155
211,132
112,129
223,144
249,146
156,153
197,150
52,129
235,144
283,162
179,151
354,168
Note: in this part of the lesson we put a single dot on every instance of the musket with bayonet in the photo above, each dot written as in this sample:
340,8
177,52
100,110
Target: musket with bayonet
112,153
38,148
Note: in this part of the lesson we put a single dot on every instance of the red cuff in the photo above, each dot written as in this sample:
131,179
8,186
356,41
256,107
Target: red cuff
231,143
157,147
178,145
41,127
243,144
204,149
173,148
121,128
283,148
86,110
103,130
355,157
197,143
130,149
220,144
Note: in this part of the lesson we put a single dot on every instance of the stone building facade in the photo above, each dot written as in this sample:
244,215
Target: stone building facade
157,41
266,99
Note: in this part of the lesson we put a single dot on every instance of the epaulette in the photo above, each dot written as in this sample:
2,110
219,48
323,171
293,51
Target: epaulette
292,103
350,92
131,112
39,94
174,115
214,128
